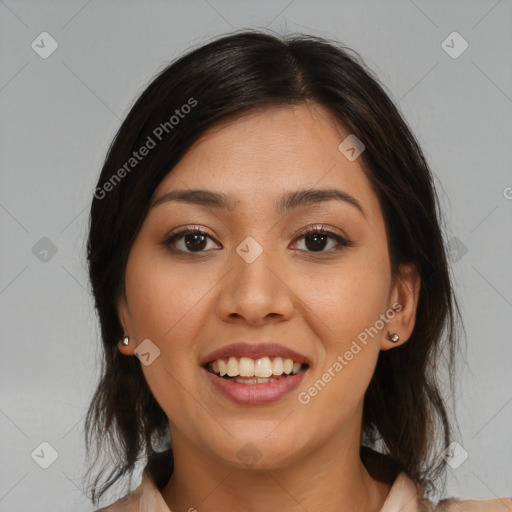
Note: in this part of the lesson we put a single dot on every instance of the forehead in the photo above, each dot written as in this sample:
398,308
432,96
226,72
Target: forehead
264,154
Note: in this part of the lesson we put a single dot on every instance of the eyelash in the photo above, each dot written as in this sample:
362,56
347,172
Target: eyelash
342,242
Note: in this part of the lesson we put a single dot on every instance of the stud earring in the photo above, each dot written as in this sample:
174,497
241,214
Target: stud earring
126,341
393,337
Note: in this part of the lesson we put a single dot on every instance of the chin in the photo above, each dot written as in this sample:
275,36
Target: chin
258,452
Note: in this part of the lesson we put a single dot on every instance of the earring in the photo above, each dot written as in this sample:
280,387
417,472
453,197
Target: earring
126,341
393,337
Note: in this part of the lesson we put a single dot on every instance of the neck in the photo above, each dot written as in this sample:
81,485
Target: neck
313,481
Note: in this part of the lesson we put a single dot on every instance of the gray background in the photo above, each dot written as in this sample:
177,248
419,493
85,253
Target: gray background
59,115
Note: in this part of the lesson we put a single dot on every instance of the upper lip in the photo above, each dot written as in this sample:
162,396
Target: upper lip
255,351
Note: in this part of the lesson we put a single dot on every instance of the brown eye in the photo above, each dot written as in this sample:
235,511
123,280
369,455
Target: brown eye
316,240
194,240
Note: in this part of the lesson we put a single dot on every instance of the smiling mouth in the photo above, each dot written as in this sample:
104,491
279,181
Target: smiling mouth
246,370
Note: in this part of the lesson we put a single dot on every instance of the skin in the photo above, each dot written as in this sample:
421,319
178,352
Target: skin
313,302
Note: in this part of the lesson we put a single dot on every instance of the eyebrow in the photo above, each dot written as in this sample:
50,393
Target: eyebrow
290,201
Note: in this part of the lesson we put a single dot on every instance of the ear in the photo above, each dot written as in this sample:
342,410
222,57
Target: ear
125,318
404,298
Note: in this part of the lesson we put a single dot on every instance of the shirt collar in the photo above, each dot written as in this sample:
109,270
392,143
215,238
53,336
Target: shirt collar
403,497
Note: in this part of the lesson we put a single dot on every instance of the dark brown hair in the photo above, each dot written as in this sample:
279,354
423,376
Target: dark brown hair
404,413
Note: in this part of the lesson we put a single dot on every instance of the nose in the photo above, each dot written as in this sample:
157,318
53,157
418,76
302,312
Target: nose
256,292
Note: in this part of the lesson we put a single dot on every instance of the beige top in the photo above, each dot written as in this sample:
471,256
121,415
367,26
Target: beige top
403,497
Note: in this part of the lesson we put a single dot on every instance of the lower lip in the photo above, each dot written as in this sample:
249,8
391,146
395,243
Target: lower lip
255,394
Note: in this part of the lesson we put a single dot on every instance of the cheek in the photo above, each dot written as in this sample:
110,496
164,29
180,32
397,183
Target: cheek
163,298
347,302
365,287
348,297
345,316
165,307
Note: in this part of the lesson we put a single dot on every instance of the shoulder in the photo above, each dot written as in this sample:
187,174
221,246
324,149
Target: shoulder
128,503
145,498
406,496
455,505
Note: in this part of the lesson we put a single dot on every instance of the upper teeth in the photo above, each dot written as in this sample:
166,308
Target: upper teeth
247,367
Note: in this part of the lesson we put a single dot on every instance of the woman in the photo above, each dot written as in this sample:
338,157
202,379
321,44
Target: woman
273,290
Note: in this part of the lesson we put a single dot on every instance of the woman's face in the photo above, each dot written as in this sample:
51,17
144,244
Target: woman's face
258,276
